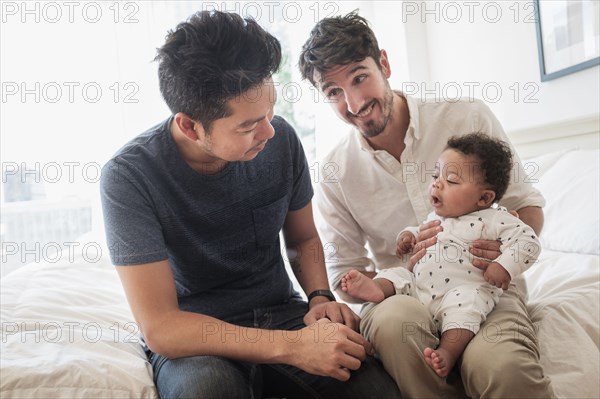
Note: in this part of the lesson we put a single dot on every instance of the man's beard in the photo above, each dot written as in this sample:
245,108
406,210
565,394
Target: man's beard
373,128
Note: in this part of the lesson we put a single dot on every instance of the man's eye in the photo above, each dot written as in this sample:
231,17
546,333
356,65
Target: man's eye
360,78
332,93
249,130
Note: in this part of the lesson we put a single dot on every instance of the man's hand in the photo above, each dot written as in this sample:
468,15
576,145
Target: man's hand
335,312
484,251
328,349
497,275
426,238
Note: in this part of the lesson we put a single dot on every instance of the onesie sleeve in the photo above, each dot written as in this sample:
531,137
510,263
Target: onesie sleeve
519,244
415,229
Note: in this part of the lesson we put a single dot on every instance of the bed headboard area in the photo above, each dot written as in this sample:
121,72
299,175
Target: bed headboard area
562,160
580,133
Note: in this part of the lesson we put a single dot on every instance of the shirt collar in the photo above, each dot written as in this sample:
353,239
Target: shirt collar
413,113
362,142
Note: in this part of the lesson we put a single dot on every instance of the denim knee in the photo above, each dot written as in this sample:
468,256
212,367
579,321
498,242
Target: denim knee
204,377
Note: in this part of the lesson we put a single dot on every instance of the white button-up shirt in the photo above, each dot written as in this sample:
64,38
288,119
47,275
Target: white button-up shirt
366,196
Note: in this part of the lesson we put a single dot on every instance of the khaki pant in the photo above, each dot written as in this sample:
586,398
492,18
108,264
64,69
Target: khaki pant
502,360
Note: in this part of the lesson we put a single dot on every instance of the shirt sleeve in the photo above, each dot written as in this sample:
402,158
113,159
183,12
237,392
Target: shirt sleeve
133,231
302,191
520,246
343,239
520,192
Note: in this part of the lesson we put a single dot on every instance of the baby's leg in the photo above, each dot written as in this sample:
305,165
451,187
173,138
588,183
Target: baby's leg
458,317
452,345
361,287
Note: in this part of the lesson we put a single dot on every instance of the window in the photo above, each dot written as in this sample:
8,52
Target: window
78,82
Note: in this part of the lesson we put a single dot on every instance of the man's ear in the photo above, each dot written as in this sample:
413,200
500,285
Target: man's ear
385,64
487,198
189,128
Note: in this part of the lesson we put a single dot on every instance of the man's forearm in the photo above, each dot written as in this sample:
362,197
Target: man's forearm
308,264
185,334
533,216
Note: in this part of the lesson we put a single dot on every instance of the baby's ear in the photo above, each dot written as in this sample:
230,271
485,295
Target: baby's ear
487,198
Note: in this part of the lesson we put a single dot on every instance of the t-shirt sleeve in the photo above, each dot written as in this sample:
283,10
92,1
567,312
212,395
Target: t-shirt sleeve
133,231
302,190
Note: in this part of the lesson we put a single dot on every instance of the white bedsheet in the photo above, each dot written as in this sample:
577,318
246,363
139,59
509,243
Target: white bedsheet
67,332
564,298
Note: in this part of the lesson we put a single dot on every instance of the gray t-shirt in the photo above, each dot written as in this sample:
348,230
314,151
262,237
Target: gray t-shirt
219,232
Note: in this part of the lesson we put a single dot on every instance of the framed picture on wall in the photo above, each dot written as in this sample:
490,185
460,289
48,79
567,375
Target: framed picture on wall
568,35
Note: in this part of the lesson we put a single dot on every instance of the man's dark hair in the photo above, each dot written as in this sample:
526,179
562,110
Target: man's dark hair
493,156
211,58
337,41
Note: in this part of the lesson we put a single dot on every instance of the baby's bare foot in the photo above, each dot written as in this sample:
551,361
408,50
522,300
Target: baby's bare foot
359,286
440,360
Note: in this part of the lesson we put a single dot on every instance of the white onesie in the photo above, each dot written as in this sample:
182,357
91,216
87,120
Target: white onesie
445,280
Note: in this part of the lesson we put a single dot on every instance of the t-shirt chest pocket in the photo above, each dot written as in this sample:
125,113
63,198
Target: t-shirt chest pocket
268,221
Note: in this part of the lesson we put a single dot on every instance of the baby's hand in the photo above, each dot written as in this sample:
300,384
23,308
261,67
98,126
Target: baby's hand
497,275
405,243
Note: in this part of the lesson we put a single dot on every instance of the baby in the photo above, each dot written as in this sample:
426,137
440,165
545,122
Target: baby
472,174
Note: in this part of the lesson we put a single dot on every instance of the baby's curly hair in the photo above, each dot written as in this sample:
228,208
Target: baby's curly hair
494,157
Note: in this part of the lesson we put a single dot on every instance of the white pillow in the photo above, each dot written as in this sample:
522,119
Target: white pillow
536,167
571,189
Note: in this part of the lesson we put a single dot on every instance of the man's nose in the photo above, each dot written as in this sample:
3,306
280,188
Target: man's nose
265,130
354,102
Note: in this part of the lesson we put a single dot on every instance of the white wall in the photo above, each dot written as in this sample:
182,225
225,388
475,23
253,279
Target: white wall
482,49
493,44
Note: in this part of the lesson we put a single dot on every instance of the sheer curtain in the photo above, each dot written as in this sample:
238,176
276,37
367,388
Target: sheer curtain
78,81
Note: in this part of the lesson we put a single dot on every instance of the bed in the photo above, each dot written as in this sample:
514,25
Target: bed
67,331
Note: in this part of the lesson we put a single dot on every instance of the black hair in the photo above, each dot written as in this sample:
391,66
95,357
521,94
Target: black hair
211,58
494,157
337,41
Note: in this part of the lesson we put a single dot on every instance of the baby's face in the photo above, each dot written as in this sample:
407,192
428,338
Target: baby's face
457,187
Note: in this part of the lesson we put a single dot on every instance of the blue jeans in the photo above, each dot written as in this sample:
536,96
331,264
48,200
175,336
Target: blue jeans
217,377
